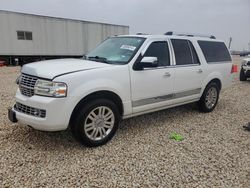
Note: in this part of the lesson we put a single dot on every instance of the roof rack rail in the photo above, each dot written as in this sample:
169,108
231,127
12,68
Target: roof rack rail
142,34
190,34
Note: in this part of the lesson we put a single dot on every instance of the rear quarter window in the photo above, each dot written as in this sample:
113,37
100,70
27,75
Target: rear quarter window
215,51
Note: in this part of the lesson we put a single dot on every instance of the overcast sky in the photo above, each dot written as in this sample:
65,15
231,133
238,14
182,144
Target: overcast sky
222,18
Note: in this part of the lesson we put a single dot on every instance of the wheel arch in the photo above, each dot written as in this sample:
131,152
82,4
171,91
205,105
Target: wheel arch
202,102
99,94
217,81
216,77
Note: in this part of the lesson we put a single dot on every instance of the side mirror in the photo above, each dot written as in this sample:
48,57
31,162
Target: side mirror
149,62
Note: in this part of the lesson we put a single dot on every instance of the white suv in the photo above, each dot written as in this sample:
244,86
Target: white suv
245,69
124,76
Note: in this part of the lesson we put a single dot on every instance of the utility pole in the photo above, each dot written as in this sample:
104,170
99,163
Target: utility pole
230,42
249,46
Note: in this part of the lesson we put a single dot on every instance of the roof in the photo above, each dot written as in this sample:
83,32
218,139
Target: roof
61,18
172,37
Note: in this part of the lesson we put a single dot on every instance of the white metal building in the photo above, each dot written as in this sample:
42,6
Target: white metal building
26,35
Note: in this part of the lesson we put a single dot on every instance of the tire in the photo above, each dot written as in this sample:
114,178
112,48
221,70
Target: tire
96,122
209,98
242,75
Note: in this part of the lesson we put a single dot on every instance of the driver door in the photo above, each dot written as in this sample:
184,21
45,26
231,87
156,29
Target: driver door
153,87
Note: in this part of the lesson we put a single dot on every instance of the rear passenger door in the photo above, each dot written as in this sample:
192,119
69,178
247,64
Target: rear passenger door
188,71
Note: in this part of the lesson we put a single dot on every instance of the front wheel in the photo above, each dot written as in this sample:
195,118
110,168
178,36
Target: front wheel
209,98
96,122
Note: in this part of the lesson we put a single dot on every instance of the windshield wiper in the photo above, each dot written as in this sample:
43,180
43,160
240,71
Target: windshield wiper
98,58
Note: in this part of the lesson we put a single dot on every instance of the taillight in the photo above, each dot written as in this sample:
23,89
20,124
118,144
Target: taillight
234,69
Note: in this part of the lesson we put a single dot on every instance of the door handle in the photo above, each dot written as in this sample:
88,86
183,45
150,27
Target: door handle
199,71
167,74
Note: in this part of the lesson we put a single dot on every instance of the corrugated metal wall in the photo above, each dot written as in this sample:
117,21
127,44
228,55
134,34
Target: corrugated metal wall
52,36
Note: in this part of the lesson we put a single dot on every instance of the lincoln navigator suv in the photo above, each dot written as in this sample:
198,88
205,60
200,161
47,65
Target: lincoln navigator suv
123,77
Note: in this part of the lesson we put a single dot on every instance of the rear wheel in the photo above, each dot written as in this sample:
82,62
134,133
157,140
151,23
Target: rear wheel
242,75
209,98
96,122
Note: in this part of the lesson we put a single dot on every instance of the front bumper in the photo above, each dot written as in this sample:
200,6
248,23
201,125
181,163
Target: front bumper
57,112
246,70
12,115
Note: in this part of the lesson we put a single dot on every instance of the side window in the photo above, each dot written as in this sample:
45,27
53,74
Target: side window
24,35
214,51
28,35
183,53
159,50
20,35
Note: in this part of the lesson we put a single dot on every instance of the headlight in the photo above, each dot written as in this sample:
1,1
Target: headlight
50,89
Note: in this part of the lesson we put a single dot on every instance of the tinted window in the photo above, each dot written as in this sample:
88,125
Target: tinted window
194,54
214,51
159,50
183,55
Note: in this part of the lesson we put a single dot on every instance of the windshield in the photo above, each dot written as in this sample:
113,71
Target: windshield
116,50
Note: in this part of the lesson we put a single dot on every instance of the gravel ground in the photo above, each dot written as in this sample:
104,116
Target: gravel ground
215,152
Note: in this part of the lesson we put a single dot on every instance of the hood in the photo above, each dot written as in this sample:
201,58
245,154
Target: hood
53,68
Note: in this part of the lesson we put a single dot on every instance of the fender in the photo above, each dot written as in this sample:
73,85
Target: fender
103,85
211,76
114,79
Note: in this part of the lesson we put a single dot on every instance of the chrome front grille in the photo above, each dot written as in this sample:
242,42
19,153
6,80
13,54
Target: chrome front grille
26,84
30,110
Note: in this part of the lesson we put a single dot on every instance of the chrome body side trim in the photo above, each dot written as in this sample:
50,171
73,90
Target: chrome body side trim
143,102
187,93
160,108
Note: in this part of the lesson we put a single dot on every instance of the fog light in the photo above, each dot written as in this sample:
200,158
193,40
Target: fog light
37,112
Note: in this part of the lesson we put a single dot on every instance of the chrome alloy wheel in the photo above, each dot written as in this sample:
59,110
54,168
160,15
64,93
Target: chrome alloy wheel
99,123
211,97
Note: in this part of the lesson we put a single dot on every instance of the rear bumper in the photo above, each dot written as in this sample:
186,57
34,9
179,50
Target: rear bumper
57,113
246,70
